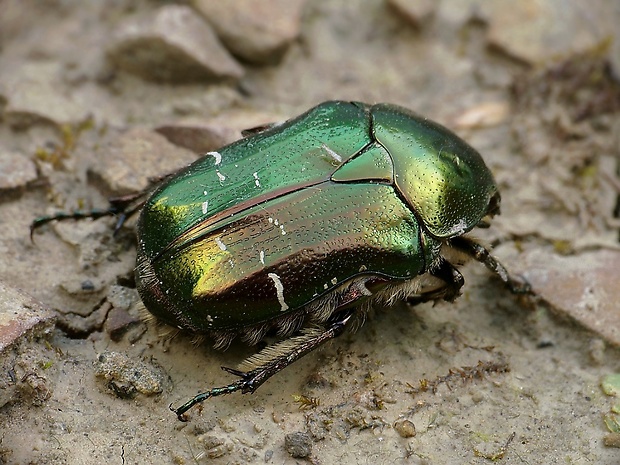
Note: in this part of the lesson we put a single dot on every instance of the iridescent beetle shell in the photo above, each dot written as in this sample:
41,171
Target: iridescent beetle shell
270,230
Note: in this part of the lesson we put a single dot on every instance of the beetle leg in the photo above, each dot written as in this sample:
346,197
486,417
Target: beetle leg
251,380
482,255
123,207
453,282
258,129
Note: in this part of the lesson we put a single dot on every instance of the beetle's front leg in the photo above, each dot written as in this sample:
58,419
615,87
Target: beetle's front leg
482,255
251,380
122,207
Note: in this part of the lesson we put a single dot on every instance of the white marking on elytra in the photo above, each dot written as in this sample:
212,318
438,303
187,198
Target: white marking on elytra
209,318
332,154
220,244
279,290
232,264
277,223
218,160
217,156
256,181
334,281
261,256
205,204
459,229
325,286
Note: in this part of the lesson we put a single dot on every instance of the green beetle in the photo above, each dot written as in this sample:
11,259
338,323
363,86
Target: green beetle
300,227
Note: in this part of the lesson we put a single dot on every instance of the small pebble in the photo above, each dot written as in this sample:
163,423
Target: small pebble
298,445
405,428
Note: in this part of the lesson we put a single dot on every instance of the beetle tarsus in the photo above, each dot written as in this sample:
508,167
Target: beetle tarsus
123,207
233,387
75,215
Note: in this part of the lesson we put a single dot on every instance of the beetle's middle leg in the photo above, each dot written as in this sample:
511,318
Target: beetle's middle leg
277,357
452,283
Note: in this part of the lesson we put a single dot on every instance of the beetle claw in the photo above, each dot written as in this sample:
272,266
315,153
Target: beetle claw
520,287
234,371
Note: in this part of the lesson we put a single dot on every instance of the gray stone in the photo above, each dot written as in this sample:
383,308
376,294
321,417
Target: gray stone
118,322
204,135
121,162
127,376
23,322
299,444
33,94
198,136
21,316
122,297
16,170
172,45
584,287
535,31
417,12
257,32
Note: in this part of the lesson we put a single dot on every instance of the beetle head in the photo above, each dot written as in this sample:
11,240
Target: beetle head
440,176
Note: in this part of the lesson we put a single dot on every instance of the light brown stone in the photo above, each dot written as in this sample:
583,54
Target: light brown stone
173,45
257,32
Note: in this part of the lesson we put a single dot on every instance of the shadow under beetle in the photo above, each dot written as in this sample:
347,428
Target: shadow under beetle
299,228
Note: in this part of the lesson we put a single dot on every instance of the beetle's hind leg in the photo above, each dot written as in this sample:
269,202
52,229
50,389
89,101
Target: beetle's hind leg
482,255
273,359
